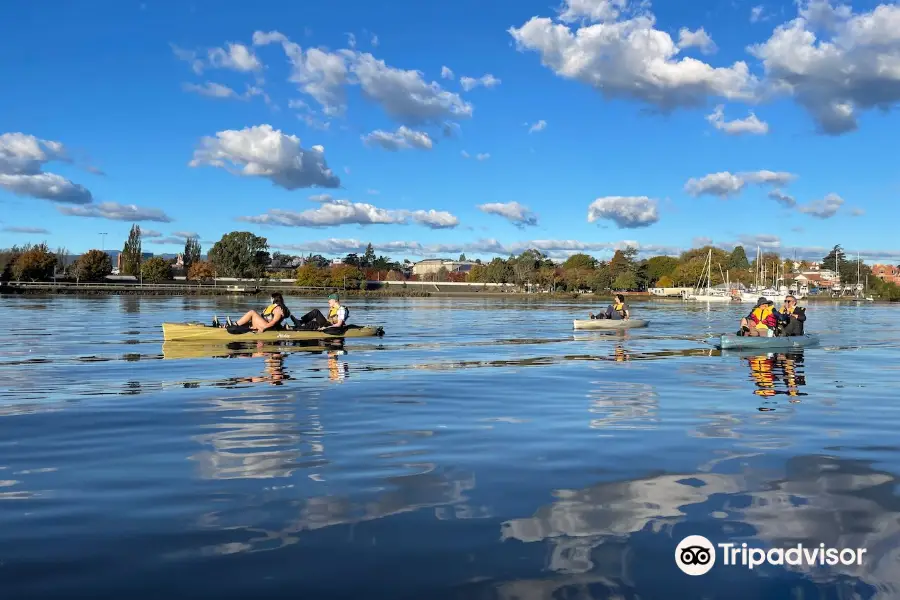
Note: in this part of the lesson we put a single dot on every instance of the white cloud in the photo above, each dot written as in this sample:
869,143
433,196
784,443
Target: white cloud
434,219
403,138
373,192
483,156
825,208
116,212
403,95
696,39
725,184
178,238
22,159
464,154
32,230
782,198
150,233
351,40
334,212
701,241
236,57
211,89
374,41
261,151
764,241
446,73
750,124
517,214
628,212
629,58
539,126
857,212
592,10
852,67
757,14
469,83
185,235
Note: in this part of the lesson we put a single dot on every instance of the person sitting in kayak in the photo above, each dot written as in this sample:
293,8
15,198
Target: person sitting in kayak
797,317
762,320
337,316
272,317
618,310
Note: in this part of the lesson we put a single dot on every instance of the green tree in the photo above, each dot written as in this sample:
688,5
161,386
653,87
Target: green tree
623,262
156,269
353,260
462,258
318,260
34,263
368,259
240,254
580,261
625,282
131,253
499,271
191,254
660,266
93,265
8,258
599,279
738,259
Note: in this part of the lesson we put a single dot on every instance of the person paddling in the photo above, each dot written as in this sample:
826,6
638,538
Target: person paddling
337,316
618,310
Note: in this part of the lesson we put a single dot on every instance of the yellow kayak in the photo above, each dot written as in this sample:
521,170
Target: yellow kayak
196,332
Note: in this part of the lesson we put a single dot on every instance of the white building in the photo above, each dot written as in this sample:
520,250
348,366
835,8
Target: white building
433,265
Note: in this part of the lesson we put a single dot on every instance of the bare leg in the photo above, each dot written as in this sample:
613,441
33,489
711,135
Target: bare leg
252,317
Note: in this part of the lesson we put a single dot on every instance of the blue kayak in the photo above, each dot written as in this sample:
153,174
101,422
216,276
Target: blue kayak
745,342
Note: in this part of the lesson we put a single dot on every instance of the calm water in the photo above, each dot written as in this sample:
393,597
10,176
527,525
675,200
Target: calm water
481,449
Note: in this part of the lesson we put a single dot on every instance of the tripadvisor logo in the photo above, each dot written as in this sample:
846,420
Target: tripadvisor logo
696,555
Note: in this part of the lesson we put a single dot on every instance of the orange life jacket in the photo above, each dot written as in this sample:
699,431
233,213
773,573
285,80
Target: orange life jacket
763,317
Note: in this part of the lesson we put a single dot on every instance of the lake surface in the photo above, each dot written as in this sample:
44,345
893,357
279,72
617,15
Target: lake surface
480,449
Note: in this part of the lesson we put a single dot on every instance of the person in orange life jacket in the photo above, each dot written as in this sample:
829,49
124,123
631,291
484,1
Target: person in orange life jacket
337,316
762,320
271,317
797,317
618,310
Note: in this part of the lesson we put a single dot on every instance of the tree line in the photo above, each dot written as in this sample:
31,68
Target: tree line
242,254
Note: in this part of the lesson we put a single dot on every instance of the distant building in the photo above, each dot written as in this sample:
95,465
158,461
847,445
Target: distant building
888,273
433,265
120,260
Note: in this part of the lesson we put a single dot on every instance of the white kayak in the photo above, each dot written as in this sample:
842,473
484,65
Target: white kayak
588,324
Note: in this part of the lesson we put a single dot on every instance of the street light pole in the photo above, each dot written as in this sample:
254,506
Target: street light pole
102,241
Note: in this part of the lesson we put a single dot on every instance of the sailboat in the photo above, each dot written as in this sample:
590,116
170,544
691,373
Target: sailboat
777,293
708,293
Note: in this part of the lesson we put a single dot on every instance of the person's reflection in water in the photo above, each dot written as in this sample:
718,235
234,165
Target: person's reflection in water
773,371
621,355
337,370
274,369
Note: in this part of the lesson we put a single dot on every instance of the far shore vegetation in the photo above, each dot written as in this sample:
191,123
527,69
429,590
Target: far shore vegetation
244,255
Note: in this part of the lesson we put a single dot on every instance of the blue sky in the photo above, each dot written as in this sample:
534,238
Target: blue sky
208,117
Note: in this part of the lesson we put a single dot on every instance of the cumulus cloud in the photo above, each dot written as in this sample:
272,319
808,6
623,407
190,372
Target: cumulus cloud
628,212
517,214
235,57
851,66
334,212
22,159
151,233
403,94
629,58
750,124
261,151
470,83
211,89
446,73
539,126
782,198
825,208
725,184
116,212
696,39
403,138
34,230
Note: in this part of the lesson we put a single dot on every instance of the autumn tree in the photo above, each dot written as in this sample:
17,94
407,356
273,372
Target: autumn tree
131,253
156,269
34,263
665,282
93,265
659,267
345,276
312,275
201,270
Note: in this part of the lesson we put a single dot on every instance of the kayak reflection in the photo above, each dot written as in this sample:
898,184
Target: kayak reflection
775,374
